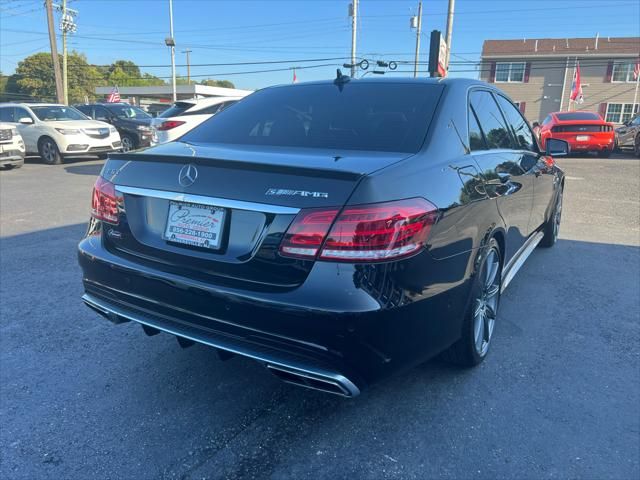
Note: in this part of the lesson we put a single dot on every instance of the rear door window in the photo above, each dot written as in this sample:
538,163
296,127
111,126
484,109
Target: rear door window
519,126
86,109
492,122
391,117
101,113
476,139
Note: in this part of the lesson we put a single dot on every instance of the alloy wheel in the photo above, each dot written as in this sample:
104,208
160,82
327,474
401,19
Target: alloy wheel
486,303
127,144
48,151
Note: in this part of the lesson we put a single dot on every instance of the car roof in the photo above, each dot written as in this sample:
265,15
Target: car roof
398,80
12,104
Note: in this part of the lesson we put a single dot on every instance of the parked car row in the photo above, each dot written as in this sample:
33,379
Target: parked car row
55,131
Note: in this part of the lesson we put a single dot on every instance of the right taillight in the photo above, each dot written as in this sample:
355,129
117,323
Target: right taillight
104,203
362,233
169,124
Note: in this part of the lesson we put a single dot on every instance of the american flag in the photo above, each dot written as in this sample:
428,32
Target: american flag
114,96
576,86
636,70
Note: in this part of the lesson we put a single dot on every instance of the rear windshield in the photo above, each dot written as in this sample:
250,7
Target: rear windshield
389,117
176,110
577,116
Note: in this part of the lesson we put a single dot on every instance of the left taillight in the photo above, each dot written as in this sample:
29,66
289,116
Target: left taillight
363,233
104,203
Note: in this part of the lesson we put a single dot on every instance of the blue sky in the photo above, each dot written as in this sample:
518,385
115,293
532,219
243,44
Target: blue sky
231,31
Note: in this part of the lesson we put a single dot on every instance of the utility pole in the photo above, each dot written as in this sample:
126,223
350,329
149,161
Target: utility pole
418,26
353,12
449,30
188,51
54,51
172,43
67,25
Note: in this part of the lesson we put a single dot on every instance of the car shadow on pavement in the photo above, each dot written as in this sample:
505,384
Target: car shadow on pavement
91,169
82,397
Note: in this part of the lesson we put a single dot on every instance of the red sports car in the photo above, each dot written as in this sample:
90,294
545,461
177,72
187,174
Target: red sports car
585,131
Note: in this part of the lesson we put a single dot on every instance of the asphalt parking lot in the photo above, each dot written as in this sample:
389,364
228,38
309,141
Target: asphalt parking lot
557,398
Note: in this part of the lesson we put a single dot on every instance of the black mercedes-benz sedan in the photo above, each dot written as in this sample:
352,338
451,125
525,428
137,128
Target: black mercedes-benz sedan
336,232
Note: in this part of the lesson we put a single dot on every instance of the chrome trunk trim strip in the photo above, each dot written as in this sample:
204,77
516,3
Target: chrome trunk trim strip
206,200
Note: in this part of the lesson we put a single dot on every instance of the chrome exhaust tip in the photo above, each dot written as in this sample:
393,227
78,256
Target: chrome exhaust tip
338,385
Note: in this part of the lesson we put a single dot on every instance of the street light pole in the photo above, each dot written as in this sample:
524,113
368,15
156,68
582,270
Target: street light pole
449,30
173,52
418,33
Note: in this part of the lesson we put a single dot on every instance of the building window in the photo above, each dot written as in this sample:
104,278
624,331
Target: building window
510,72
620,112
622,72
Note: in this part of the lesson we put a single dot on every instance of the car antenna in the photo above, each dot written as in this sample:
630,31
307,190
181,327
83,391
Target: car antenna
341,79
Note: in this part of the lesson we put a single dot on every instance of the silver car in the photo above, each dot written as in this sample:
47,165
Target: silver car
628,135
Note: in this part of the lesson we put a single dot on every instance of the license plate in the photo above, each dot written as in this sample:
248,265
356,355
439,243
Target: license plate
195,225
582,138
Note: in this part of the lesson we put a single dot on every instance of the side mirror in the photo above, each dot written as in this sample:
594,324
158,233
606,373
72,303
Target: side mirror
26,120
556,147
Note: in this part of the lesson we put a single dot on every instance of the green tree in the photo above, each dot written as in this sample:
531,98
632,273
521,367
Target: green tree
34,77
217,83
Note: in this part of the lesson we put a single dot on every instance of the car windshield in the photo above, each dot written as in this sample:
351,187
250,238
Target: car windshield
390,117
125,111
55,113
563,117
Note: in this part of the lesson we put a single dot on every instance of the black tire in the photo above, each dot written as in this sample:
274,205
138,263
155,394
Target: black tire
473,346
606,153
128,143
49,152
551,227
636,146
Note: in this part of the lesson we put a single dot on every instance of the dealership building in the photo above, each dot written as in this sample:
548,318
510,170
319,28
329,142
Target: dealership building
537,74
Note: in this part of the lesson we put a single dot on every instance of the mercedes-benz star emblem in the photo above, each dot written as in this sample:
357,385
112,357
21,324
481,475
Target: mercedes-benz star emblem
187,175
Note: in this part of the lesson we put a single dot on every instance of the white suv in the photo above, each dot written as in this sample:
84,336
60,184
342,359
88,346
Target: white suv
58,131
187,114
11,147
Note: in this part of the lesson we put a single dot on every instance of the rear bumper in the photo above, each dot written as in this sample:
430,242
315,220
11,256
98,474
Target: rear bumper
11,158
296,368
337,328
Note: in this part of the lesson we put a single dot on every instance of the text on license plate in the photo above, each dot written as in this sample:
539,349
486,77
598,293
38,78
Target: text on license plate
582,138
194,224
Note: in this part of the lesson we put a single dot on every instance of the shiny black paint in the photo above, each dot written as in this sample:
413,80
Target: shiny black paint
363,321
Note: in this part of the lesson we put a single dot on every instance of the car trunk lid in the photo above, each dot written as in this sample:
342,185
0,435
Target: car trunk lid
258,193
